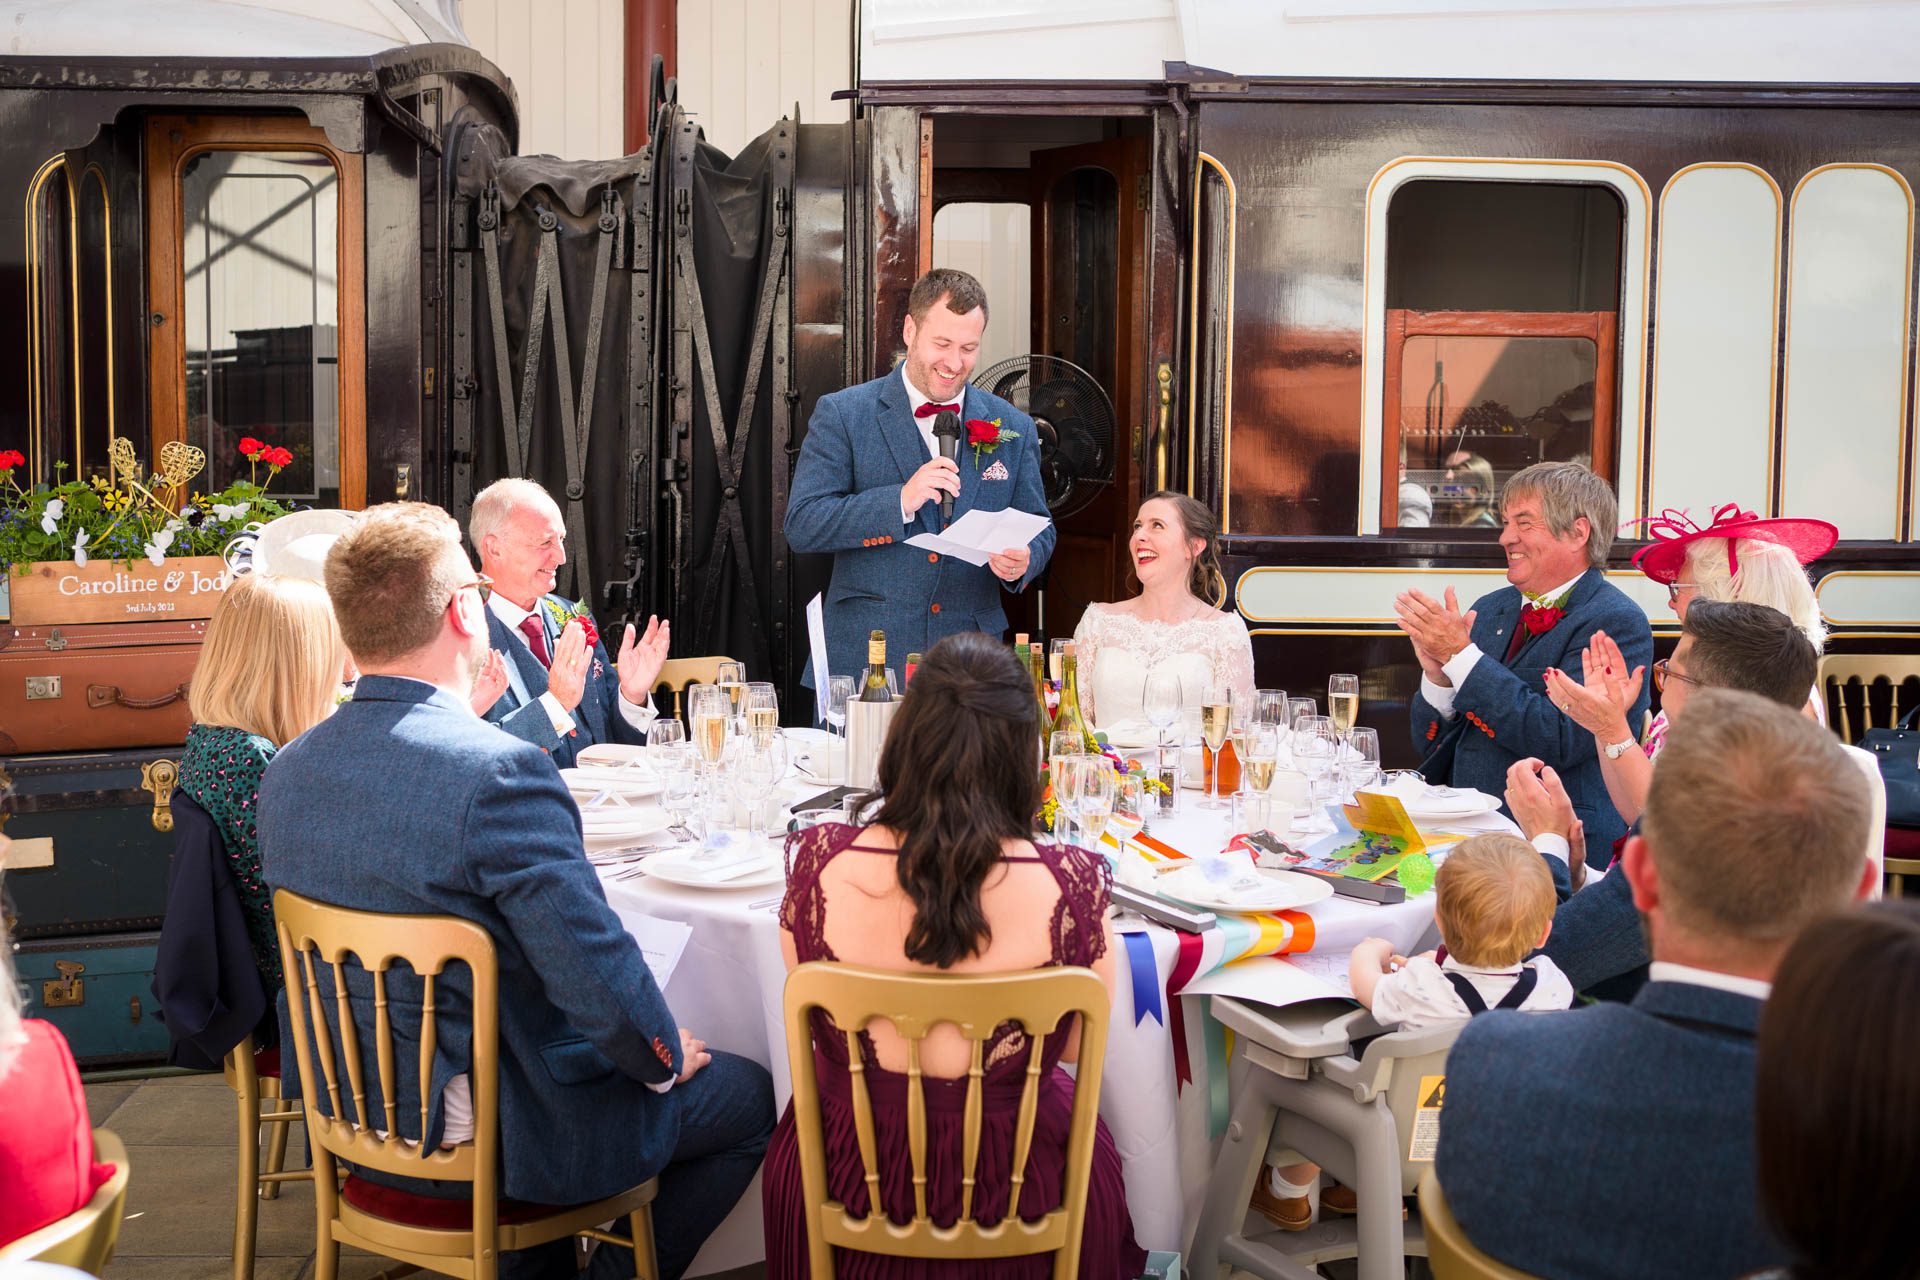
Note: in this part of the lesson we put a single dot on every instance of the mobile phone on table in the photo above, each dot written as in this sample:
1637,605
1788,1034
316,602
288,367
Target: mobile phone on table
825,800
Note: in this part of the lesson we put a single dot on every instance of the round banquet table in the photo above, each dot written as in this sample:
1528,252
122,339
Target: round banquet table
727,989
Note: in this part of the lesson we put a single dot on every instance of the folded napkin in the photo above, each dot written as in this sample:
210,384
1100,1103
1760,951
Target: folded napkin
1423,799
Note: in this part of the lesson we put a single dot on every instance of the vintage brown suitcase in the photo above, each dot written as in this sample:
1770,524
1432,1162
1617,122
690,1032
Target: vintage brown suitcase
96,687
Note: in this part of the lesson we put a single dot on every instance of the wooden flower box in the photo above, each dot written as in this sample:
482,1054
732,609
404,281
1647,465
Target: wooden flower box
61,593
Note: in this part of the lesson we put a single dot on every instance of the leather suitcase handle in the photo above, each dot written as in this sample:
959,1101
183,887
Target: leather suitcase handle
106,695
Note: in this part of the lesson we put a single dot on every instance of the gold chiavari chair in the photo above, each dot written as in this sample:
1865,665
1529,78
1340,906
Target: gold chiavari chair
677,673
1852,683
1451,1255
438,1235
85,1238
254,1078
1037,1001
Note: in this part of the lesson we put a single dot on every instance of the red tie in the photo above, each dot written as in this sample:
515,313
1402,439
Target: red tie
929,409
536,638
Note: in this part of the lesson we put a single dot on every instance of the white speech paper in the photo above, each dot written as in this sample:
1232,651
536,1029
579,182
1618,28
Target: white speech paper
662,942
978,535
817,640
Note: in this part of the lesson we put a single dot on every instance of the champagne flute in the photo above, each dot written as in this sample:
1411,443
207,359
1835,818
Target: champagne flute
681,782
1094,791
1299,708
1270,708
1064,772
732,677
1129,806
763,709
1063,742
1216,720
1056,655
1315,750
1343,702
1262,756
708,709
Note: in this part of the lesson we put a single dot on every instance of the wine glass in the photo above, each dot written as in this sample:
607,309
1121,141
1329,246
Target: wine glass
1360,762
1216,721
1056,655
665,731
709,707
763,709
1063,742
839,694
1343,702
1163,699
1270,708
762,765
1094,787
1064,770
1315,750
680,782
1298,708
1129,806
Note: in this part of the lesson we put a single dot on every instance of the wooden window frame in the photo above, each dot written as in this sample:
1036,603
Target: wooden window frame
1602,328
171,142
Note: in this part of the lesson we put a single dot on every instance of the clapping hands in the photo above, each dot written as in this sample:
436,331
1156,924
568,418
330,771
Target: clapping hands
1604,699
1438,631
640,660
489,682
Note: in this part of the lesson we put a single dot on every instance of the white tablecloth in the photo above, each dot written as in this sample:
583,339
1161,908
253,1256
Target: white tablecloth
728,984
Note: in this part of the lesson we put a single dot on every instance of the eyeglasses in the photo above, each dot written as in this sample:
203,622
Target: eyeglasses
1662,673
1675,588
481,583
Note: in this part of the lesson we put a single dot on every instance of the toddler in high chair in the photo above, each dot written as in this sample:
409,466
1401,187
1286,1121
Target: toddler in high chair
1494,907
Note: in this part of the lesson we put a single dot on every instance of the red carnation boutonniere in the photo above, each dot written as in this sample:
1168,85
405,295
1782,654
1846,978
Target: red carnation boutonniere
986,436
563,613
1540,619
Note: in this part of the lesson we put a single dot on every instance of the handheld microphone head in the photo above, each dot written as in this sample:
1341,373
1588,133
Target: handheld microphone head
946,435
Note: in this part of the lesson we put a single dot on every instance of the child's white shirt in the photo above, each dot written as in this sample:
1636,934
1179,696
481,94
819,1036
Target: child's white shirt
1419,997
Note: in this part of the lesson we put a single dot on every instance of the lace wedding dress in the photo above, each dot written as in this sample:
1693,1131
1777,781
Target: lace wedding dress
1116,651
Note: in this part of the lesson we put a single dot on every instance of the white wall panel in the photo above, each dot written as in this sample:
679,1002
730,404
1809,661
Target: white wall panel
1309,595
566,61
1849,249
745,63
992,243
1715,337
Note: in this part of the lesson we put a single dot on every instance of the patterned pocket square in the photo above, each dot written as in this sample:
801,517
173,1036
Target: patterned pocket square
998,471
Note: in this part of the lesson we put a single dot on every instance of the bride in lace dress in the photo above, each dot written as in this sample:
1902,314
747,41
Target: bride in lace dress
1169,626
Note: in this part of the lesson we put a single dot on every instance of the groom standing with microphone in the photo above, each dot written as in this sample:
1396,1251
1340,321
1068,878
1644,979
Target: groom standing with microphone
909,453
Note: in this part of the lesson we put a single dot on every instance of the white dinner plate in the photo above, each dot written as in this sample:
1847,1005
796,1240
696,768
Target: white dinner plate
685,867
1277,891
1441,804
629,783
598,824
610,753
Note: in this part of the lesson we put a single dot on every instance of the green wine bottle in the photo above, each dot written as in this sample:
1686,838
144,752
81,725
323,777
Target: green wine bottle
875,687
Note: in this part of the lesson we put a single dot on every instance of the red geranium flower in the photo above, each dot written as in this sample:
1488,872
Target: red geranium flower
980,431
279,458
11,458
249,447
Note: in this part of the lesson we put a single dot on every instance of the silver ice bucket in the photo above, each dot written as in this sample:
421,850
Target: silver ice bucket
866,734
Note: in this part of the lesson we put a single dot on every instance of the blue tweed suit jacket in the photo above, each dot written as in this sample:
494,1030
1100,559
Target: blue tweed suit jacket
403,801
1501,713
862,447
1610,1141
596,719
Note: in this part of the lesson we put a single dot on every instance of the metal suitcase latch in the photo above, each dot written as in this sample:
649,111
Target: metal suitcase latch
68,989
159,777
40,688
56,641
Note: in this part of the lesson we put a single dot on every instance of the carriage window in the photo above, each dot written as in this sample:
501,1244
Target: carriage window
261,314
1501,328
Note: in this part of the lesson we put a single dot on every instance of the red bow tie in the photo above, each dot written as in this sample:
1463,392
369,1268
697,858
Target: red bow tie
929,409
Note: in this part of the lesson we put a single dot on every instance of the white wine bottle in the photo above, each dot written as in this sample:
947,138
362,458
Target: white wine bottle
874,689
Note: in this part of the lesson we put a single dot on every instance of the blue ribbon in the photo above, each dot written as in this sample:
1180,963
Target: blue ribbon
1146,979
1214,1038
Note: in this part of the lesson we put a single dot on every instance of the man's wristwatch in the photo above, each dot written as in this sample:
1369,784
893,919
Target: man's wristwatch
1615,750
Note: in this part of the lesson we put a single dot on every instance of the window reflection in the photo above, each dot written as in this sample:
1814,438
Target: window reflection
262,314
1476,409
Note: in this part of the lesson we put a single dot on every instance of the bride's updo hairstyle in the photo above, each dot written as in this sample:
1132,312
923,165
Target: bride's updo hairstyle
960,776
1205,579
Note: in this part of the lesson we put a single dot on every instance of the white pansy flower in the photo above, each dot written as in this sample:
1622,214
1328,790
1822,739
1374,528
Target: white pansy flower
55,509
80,547
157,548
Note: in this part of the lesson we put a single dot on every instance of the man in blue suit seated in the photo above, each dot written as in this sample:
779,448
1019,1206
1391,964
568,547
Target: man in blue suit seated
1617,1140
404,802
871,475
1482,704
564,693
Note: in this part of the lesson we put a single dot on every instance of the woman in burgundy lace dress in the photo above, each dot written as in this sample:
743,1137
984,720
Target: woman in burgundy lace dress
946,880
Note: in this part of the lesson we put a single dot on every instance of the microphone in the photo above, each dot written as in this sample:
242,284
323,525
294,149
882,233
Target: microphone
946,434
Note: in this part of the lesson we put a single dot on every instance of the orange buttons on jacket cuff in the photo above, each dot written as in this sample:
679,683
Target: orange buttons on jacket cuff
936,608
933,557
